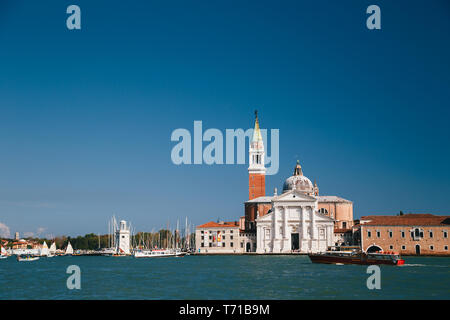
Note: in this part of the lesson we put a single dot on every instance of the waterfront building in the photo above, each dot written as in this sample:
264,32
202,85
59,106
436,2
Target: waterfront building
218,237
294,223
122,238
408,234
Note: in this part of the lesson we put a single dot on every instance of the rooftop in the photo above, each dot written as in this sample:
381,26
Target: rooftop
212,224
410,219
332,199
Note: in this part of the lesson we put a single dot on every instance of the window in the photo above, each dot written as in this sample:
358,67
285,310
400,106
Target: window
231,237
210,244
445,234
203,237
378,234
417,233
223,237
431,234
403,247
202,245
201,232
231,231
390,233
431,247
242,244
391,247
445,247
344,225
231,244
223,244
369,234
403,233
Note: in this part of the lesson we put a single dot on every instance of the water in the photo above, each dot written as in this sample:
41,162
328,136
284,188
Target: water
220,277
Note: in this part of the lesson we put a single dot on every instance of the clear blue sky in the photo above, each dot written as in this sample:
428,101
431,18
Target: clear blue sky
86,116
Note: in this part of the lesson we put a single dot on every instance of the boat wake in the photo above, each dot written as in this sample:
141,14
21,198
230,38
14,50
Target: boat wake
413,265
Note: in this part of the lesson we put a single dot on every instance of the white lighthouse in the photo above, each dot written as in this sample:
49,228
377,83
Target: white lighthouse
123,238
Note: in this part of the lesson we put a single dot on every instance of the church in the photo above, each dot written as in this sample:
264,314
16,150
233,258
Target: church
297,220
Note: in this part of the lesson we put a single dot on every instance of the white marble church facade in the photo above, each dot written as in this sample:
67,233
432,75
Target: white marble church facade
294,225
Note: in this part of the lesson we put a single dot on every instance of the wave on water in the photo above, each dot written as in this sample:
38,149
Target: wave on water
413,265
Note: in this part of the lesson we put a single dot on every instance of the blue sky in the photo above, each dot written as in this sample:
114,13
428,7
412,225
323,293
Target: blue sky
86,116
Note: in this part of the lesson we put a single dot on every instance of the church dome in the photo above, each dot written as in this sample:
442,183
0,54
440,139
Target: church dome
299,182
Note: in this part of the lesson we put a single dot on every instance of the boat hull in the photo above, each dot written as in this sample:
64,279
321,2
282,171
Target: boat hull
361,260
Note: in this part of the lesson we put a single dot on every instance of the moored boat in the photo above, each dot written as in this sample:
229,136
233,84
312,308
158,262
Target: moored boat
3,253
352,257
158,253
27,258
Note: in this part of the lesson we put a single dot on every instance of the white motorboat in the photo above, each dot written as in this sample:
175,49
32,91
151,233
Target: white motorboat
158,253
27,258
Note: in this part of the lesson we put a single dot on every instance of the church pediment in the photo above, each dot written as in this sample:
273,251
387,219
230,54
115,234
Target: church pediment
294,196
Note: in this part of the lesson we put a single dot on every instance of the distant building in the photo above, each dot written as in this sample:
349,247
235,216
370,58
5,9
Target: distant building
408,234
218,237
16,237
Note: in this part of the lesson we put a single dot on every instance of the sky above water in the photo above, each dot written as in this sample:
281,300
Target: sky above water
86,115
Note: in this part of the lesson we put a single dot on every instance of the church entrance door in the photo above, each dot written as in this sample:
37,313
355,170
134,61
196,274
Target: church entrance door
295,243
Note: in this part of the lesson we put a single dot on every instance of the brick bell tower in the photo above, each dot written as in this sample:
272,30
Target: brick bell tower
256,169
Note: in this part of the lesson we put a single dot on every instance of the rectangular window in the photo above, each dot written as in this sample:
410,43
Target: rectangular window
223,244
445,234
242,244
203,237
231,231
203,244
378,234
391,247
201,232
210,244
403,234
431,234
390,233
223,237
445,247
431,247
231,244
403,247
231,237
369,234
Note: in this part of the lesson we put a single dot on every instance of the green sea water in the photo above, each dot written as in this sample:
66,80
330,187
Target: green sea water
220,277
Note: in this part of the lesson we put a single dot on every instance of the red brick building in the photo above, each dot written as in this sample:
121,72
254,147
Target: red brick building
408,234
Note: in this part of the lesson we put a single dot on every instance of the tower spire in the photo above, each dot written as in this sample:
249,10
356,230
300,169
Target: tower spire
256,167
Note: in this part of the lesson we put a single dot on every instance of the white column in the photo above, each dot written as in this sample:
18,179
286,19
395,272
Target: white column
274,234
285,228
303,213
313,224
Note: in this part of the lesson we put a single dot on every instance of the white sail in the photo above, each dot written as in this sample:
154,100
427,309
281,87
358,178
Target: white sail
69,249
44,249
4,252
52,249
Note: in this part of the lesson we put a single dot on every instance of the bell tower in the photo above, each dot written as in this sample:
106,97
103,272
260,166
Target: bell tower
256,169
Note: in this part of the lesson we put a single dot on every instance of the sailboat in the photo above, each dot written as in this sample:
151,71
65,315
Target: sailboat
52,250
3,253
69,249
44,249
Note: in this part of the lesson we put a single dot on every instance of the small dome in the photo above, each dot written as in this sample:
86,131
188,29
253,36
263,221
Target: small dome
298,181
